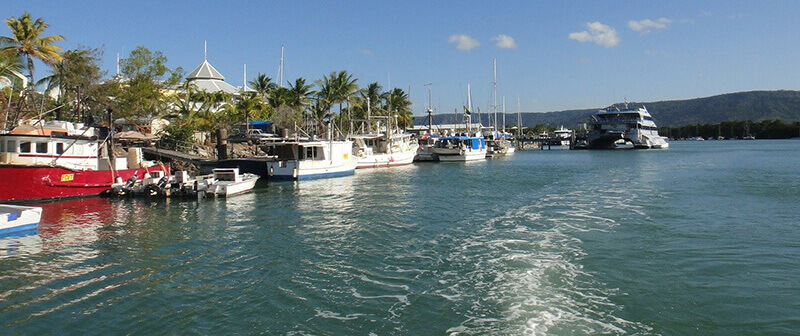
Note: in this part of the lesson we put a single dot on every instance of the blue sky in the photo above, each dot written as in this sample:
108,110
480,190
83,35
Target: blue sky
564,54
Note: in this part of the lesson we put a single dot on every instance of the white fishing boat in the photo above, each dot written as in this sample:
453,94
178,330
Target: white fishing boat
383,150
460,148
303,159
227,182
424,150
613,124
388,147
17,218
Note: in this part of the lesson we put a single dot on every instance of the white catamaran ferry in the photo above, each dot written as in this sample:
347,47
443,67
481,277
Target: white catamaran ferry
613,125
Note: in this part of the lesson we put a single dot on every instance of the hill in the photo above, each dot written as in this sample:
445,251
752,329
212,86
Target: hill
752,105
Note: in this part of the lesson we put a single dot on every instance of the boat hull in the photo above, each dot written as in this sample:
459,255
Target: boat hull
229,188
466,156
387,160
300,170
38,182
14,218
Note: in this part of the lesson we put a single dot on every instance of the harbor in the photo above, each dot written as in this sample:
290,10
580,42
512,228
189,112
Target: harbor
399,168
561,248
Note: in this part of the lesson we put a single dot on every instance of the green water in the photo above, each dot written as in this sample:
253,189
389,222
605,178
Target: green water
699,239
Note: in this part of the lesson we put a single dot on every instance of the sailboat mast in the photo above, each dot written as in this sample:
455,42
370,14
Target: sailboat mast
280,71
430,109
504,114
494,83
519,118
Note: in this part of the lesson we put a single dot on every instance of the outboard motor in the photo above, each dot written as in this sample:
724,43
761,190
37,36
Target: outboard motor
131,181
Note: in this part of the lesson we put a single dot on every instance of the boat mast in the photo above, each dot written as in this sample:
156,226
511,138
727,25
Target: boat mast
430,109
504,114
519,118
494,83
469,104
280,70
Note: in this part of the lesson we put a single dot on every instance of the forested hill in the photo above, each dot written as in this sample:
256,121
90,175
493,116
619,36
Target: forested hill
740,106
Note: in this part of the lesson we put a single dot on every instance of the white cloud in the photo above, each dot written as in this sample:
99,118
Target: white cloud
366,52
463,42
505,42
645,26
598,33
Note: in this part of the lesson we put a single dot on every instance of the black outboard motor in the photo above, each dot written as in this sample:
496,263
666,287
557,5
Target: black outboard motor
131,181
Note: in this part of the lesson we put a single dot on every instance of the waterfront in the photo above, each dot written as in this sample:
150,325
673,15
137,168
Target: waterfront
697,239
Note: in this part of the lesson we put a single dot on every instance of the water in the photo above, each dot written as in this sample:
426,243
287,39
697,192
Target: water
698,239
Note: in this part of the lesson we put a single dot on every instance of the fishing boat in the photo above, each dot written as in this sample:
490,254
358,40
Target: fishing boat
388,148
17,218
56,159
426,142
304,159
460,147
614,125
497,143
383,150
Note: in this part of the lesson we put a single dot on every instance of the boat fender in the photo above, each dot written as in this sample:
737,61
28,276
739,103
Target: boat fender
294,173
271,171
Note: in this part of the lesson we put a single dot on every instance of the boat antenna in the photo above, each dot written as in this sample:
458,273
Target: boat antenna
519,118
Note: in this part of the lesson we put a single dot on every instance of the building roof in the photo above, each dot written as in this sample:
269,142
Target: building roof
214,85
206,78
205,71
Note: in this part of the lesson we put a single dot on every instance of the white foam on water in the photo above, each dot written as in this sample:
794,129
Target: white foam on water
526,276
331,315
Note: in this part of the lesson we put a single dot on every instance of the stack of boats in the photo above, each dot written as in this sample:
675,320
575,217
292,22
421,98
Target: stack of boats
222,182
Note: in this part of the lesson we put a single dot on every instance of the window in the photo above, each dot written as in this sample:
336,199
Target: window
60,148
41,147
2,146
12,146
25,147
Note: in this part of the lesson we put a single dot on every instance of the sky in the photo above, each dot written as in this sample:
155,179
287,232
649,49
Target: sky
551,55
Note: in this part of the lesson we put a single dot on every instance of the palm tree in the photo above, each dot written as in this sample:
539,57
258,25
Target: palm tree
398,104
299,93
263,85
27,41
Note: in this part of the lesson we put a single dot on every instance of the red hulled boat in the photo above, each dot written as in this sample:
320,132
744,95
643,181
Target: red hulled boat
57,159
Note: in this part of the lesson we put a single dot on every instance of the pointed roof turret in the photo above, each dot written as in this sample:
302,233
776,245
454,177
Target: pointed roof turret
206,78
205,71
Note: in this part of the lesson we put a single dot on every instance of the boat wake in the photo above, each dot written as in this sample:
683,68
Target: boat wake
526,273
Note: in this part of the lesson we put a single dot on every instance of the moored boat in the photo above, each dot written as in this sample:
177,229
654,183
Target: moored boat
56,159
228,182
383,150
303,159
612,125
17,218
460,148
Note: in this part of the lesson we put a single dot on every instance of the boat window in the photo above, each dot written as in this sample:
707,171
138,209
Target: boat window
2,146
59,148
12,146
25,147
41,147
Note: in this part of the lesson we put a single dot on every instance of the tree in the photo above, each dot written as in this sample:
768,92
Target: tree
300,93
398,104
27,41
146,77
78,81
263,85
